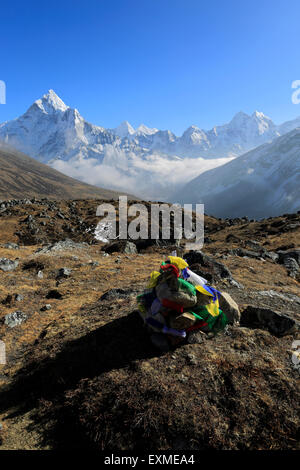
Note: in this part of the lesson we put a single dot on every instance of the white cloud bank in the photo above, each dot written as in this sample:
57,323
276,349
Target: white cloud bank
152,177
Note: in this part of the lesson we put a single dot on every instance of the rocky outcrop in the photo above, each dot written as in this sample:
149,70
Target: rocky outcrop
274,322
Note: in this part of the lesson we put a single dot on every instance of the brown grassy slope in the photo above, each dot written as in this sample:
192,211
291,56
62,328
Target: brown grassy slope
23,177
84,374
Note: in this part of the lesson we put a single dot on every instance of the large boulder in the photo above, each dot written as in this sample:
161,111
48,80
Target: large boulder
121,246
207,267
265,318
291,260
230,308
284,254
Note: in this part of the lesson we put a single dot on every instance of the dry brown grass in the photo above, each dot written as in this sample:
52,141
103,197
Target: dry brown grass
84,373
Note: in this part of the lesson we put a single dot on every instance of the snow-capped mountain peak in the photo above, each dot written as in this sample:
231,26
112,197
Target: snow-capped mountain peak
239,118
57,134
260,115
51,103
125,129
142,129
193,135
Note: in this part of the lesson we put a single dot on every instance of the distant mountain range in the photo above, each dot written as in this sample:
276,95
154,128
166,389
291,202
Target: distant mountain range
50,130
151,163
263,182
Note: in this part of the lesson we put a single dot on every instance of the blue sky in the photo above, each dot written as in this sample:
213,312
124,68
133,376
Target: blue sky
166,63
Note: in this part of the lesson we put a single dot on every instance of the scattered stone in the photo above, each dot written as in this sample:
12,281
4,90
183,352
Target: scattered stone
272,255
210,269
19,297
295,254
93,263
287,297
274,322
40,275
116,294
62,245
11,246
14,319
230,308
46,307
8,264
257,252
183,379
236,284
196,337
292,267
245,253
192,359
64,272
121,246
253,244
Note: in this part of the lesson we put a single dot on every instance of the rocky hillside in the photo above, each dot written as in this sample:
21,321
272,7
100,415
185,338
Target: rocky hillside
24,177
81,371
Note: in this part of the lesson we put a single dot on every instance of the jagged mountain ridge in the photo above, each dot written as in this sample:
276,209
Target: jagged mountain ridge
50,129
261,183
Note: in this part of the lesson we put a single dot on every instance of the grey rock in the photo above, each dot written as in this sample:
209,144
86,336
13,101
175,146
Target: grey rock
207,267
62,245
230,308
46,307
14,319
273,256
236,284
295,254
292,267
245,253
8,264
93,263
11,246
264,318
192,359
19,297
29,219
64,272
116,293
196,337
122,247
40,275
